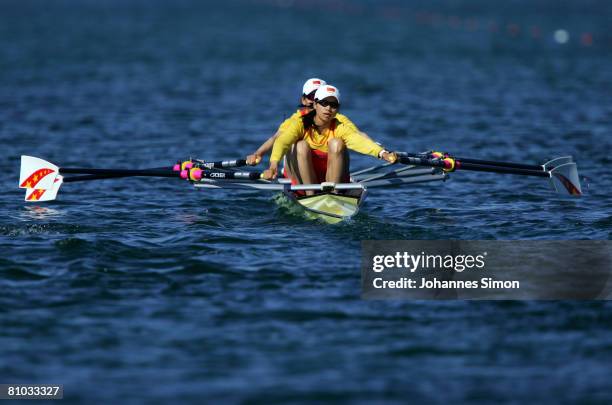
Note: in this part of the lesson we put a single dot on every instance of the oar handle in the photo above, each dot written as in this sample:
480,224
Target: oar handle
197,174
220,164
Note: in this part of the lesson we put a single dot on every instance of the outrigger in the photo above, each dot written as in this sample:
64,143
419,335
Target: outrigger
332,202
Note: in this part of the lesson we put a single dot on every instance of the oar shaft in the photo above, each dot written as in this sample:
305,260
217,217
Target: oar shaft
121,172
500,169
502,164
460,165
89,177
481,161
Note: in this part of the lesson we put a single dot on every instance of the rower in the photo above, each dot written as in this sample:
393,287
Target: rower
306,106
320,141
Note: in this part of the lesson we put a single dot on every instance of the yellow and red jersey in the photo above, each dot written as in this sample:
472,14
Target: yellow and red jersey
300,113
293,130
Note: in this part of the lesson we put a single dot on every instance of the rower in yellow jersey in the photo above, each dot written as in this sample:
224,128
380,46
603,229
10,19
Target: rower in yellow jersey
306,106
319,141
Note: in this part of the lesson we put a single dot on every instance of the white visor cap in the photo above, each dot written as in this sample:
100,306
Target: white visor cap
312,85
327,91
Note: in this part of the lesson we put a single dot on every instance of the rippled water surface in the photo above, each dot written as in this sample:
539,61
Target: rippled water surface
132,289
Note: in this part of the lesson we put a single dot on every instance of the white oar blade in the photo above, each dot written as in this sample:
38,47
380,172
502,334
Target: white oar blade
38,195
565,179
37,173
551,164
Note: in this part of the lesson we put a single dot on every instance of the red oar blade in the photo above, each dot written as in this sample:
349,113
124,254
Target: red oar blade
37,173
565,180
39,194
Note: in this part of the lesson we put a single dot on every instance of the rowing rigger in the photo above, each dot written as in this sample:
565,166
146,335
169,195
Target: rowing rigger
332,202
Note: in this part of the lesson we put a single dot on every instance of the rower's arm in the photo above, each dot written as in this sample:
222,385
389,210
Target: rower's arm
355,140
354,127
255,158
366,136
289,135
265,147
350,124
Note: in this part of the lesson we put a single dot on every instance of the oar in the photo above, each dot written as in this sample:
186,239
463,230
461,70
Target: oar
155,172
43,179
221,164
459,164
564,177
543,167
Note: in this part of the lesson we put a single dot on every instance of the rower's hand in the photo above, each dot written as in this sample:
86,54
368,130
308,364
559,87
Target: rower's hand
272,172
390,157
253,160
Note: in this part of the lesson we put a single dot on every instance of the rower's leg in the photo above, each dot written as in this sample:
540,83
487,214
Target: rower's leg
337,161
305,172
291,163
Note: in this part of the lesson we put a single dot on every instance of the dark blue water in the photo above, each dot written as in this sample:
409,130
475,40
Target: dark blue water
138,289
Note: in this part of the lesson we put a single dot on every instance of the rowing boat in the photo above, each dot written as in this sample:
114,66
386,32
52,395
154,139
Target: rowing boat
331,202
328,206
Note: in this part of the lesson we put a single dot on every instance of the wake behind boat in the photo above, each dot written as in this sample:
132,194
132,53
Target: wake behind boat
331,202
